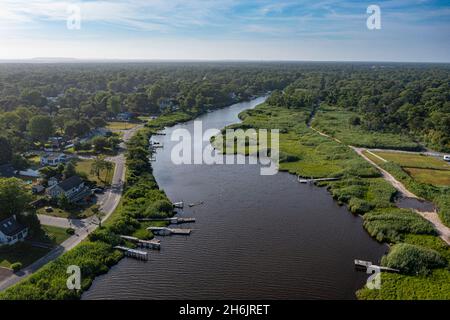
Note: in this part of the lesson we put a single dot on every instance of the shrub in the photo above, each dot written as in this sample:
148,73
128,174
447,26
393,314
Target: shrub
16,266
391,224
359,206
412,259
70,231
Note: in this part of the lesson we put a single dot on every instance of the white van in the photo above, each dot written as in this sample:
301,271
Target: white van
447,157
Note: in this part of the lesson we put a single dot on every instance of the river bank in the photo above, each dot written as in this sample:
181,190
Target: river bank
96,254
284,228
308,154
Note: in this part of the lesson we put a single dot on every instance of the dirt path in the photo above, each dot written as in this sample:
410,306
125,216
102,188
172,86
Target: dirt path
433,217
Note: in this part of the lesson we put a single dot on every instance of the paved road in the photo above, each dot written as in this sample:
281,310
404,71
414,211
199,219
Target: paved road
82,226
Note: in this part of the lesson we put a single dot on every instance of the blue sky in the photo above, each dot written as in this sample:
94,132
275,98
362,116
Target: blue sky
413,30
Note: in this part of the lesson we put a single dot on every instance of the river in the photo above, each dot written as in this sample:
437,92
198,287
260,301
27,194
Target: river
256,237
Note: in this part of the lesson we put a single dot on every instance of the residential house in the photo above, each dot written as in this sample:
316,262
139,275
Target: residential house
124,116
53,159
37,188
73,188
12,231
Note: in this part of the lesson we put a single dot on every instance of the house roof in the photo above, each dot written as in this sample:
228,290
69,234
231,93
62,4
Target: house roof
10,226
53,156
70,183
7,171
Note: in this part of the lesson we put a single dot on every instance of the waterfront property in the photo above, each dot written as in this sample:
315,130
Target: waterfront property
11,231
72,188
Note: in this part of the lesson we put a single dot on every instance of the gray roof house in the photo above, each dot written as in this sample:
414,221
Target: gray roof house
73,188
12,231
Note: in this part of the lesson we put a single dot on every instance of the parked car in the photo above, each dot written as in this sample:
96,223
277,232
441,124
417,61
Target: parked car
447,158
48,209
98,190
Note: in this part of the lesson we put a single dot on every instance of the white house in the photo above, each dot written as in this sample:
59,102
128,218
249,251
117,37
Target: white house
11,231
53,159
73,188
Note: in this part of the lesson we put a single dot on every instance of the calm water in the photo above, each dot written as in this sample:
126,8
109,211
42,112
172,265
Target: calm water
256,237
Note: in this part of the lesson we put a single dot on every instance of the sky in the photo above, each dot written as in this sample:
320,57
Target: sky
320,30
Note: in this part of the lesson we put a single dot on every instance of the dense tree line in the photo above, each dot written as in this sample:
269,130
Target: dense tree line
398,98
40,100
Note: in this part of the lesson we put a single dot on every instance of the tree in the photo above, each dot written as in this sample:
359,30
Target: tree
98,165
69,170
100,143
113,104
5,151
98,122
33,98
63,202
40,127
75,128
13,197
354,121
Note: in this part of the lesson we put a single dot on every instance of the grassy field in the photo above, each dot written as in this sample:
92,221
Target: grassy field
117,125
425,169
85,166
336,122
414,160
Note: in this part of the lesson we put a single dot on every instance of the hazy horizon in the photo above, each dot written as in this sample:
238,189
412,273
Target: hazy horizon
263,30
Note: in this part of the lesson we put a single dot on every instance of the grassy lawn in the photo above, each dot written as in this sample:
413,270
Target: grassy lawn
22,252
55,235
117,125
85,166
25,253
78,213
425,169
35,161
414,160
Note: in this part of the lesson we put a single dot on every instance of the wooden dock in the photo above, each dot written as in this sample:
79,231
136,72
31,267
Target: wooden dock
173,220
364,265
178,205
316,180
163,231
150,244
133,253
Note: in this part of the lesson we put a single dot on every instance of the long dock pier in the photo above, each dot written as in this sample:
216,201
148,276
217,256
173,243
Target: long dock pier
316,180
173,220
133,253
163,231
364,265
151,244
